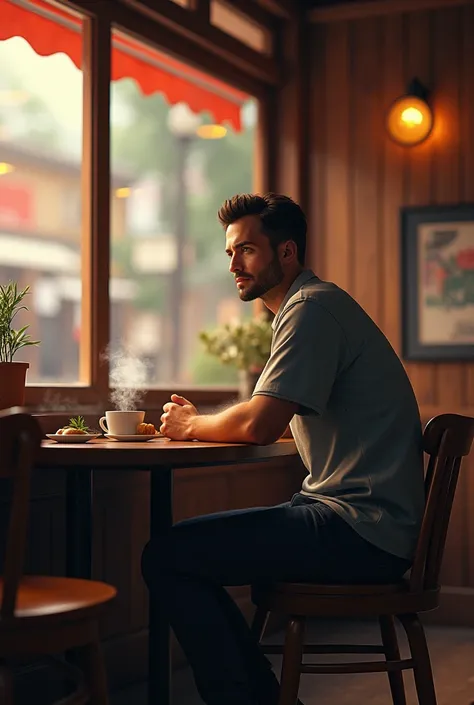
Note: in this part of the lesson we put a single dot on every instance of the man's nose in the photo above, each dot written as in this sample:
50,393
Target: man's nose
234,265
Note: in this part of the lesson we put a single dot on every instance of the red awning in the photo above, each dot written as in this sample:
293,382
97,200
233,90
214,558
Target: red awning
49,30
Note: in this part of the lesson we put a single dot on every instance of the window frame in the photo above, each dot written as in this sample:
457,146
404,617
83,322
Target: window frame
238,69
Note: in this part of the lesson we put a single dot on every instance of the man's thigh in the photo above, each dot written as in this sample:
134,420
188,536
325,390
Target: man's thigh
240,547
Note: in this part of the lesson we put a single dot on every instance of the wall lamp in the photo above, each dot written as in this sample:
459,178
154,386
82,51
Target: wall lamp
410,118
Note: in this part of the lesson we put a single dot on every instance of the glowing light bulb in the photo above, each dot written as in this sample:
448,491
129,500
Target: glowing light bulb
6,168
409,120
211,132
412,117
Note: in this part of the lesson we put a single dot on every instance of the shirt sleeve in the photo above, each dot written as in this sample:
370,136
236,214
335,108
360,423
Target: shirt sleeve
308,351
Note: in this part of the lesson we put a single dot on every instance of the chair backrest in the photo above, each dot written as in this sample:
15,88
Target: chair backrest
20,439
446,440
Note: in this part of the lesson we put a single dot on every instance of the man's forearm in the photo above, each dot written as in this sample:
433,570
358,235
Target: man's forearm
234,425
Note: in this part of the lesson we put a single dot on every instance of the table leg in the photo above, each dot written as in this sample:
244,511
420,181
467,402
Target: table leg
159,655
78,529
79,523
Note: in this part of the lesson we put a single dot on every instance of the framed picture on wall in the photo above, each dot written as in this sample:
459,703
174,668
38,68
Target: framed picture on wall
437,267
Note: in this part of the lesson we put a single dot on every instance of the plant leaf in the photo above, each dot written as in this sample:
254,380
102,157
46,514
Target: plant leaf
12,340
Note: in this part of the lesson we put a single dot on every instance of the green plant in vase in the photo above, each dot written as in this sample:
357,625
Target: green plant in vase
243,344
12,373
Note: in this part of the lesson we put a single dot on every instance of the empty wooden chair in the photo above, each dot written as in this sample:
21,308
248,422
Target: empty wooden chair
42,616
447,439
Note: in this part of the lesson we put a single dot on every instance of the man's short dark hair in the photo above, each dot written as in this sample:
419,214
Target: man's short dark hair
281,218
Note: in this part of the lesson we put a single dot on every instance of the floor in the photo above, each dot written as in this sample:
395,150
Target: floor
452,652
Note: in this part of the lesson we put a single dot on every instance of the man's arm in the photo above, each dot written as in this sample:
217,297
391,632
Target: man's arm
261,420
309,347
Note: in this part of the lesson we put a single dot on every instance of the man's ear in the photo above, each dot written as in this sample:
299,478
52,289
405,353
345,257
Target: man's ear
288,252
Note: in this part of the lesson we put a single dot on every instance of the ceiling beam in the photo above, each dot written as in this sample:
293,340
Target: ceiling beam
376,8
281,8
202,8
254,11
183,46
200,32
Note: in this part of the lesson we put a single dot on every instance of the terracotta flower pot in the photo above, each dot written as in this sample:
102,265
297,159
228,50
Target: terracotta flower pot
12,383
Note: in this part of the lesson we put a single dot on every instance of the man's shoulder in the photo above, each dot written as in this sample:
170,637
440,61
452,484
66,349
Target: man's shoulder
319,295
323,307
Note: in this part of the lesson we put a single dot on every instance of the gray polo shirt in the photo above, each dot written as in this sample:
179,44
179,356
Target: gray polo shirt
358,427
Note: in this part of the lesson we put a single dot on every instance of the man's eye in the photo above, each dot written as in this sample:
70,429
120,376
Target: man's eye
246,249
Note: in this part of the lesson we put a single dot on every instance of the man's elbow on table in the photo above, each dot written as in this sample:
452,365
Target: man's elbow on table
269,418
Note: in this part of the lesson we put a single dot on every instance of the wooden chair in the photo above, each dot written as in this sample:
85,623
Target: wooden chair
446,440
43,616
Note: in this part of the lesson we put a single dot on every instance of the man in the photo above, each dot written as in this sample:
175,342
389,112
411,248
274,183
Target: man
334,377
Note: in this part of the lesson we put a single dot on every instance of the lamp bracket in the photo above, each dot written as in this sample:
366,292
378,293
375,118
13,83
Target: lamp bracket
418,89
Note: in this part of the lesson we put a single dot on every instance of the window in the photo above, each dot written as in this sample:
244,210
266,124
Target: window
40,200
168,270
167,247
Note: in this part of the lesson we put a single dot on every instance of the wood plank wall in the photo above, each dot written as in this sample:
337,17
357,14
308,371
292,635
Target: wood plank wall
359,179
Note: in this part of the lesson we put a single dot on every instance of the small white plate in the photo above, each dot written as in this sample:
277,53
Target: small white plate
134,437
73,437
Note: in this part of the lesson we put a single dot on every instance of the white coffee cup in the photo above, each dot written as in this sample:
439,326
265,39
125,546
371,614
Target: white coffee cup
121,423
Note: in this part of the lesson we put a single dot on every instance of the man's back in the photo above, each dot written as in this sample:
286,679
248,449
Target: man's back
358,430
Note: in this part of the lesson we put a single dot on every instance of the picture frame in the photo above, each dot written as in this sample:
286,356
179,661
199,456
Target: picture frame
437,282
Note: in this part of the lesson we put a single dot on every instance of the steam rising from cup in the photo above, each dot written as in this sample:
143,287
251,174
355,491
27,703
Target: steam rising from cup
128,379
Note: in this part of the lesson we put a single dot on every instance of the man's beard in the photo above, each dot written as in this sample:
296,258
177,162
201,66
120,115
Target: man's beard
270,277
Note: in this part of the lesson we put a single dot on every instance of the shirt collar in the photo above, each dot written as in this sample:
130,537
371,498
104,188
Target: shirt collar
301,279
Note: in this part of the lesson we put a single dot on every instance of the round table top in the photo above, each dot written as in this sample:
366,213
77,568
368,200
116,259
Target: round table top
102,453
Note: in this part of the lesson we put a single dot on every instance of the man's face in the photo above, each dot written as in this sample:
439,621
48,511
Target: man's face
253,262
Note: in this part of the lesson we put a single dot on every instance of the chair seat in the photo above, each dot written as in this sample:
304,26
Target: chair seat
340,590
41,597
314,600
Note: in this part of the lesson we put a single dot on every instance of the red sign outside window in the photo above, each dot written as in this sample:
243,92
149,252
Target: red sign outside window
16,206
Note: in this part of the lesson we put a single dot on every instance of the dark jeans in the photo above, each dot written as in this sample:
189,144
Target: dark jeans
299,541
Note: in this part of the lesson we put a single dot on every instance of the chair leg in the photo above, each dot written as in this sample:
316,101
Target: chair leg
392,653
292,658
419,651
6,685
94,672
259,623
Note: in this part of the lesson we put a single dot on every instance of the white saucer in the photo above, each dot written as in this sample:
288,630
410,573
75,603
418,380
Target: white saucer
134,437
73,437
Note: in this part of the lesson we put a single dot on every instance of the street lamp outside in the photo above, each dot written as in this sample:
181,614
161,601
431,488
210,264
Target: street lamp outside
183,124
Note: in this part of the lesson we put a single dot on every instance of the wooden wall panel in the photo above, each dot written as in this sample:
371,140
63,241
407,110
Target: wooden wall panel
467,139
291,112
447,60
360,179
419,172
318,159
467,179
338,249
366,76
393,172
447,189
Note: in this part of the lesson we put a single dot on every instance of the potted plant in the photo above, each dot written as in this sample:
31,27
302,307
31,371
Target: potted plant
244,344
12,374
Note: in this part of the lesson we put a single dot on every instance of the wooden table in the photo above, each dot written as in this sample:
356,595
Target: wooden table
159,457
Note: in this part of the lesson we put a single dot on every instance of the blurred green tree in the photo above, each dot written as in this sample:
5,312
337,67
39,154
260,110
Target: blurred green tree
142,142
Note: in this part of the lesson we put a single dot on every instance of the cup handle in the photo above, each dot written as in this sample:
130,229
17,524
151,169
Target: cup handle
103,425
